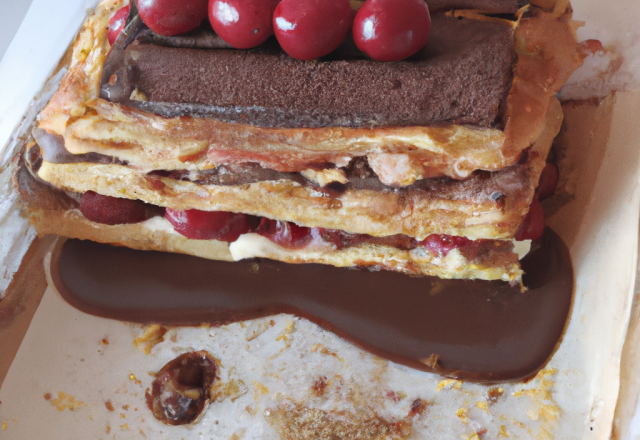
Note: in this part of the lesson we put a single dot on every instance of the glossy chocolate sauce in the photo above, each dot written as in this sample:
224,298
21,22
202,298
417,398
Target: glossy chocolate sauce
477,330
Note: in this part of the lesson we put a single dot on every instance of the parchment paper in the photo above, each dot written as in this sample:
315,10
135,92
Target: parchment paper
64,356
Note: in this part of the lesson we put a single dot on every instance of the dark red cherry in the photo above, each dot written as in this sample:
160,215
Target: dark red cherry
441,245
242,23
532,227
286,234
208,225
548,182
391,30
111,210
116,24
308,29
172,17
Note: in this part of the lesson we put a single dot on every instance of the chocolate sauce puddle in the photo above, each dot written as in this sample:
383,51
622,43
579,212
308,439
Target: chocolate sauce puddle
479,330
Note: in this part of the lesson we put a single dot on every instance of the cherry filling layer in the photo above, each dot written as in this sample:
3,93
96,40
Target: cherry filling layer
228,226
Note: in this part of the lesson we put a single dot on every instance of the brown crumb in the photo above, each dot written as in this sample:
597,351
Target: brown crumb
125,407
109,405
319,386
417,407
494,393
105,341
295,421
431,361
108,430
391,395
47,396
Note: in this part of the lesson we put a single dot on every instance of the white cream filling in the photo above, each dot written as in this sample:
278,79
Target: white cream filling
159,224
521,248
253,245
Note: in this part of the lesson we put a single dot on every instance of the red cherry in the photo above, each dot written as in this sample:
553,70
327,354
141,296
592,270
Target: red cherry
208,225
548,182
116,24
111,210
242,23
172,17
308,29
391,30
286,234
532,227
441,245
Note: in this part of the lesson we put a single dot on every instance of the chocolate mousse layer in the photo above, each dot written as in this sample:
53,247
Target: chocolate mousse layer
487,6
460,77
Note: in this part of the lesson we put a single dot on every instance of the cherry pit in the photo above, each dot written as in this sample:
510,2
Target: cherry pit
385,30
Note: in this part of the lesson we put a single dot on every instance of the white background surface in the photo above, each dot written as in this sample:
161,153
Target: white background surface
11,14
31,63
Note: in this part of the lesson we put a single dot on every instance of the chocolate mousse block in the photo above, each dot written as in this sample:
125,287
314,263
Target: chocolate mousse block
460,77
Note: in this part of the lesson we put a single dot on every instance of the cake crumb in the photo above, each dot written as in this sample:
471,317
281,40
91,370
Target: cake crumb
319,386
494,393
483,406
417,408
295,421
152,336
452,384
66,401
462,414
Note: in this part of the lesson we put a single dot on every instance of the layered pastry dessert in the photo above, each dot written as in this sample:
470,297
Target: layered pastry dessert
427,166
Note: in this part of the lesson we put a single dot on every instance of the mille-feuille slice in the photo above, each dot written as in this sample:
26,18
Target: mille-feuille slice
168,161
